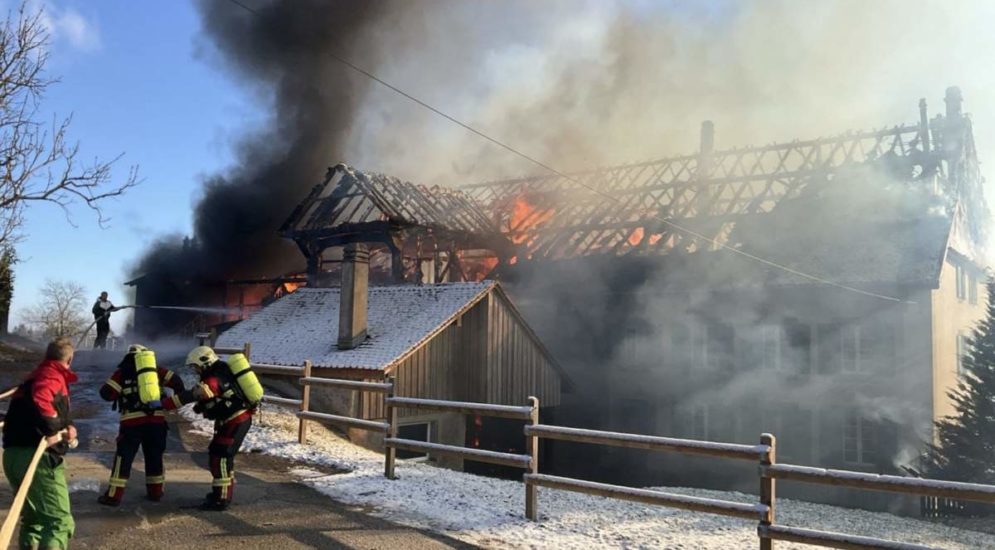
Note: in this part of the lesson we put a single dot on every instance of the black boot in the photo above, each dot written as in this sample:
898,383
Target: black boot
108,501
214,504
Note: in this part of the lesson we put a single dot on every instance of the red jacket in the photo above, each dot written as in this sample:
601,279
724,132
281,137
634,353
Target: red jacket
40,406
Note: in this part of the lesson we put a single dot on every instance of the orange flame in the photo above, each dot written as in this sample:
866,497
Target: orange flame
476,268
636,236
526,216
290,287
655,238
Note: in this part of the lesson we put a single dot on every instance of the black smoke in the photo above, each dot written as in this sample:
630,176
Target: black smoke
284,52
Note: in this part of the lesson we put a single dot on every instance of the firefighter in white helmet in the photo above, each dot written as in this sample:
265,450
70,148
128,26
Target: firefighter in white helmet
219,398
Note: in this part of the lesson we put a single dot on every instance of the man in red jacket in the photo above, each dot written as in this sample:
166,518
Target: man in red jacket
218,398
141,426
40,409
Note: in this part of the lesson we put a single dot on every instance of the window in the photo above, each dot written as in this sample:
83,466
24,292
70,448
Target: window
417,432
877,345
793,428
850,348
759,347
963,350
719,346
961,274
828,347
698,422
796,350
967,283
857,347
680,346
859,439
628,350
770,337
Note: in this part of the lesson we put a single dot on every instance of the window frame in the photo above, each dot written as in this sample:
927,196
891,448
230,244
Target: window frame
864,430
694,412
850,358
790,353
962,349
429,431
959,278
771,342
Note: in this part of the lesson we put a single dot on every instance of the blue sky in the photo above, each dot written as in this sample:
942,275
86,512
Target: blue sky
133,79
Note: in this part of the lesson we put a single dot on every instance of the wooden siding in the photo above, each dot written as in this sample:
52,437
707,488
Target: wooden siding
488,356
516,366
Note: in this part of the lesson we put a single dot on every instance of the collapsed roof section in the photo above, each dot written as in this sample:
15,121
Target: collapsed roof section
350,206
694,202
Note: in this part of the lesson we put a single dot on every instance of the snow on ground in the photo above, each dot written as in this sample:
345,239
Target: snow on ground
490,512
84,484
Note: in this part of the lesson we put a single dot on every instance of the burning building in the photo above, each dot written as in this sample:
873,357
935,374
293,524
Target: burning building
822,290
458,341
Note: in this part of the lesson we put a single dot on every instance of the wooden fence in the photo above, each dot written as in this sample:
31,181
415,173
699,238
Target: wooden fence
764,453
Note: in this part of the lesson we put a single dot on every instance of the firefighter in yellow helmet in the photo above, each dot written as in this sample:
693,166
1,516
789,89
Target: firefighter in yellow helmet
220,398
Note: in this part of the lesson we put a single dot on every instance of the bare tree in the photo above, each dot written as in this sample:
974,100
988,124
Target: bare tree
38,163
61,311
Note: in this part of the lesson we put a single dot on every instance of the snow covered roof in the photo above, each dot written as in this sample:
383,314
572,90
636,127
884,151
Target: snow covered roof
304,325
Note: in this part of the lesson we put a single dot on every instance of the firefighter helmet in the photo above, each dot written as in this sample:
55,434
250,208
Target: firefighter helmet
135,348
201,357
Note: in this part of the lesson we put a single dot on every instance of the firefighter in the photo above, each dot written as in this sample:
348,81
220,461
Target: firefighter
101,310
219,398
142,424
40,408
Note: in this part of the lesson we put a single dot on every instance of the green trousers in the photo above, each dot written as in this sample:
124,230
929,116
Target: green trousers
46,521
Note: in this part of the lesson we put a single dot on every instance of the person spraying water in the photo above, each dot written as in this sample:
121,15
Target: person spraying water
102,310
102,317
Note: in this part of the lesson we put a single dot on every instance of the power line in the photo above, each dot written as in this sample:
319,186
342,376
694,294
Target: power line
608,196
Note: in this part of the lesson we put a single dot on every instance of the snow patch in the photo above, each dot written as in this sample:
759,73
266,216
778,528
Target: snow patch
83,485
490,512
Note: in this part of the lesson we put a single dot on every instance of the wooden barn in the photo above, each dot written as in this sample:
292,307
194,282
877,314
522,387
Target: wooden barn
455,341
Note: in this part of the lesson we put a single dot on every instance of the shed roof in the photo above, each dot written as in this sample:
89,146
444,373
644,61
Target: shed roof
304,325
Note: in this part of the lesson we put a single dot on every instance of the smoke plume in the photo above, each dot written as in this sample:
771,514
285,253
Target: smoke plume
279,52
577,85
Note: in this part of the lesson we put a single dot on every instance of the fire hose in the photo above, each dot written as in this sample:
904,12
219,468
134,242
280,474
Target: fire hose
10,523
101,318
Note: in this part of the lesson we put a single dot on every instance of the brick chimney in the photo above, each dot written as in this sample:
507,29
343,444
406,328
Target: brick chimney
352,305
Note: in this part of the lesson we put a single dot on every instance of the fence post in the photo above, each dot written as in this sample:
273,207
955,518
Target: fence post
767,488
247,350
532,449
390,453
213,338
305,404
